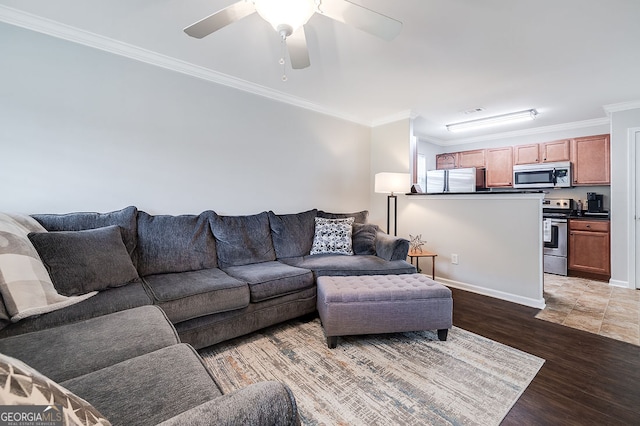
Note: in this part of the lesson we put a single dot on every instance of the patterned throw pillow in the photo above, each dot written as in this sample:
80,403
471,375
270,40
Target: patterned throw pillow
25,386
332,236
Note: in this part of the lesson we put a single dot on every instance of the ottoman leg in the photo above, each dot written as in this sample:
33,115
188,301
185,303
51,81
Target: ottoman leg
442,334
332,341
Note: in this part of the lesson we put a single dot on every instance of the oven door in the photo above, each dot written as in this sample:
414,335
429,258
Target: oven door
556,245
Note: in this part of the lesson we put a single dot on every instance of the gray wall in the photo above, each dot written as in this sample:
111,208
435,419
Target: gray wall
82,129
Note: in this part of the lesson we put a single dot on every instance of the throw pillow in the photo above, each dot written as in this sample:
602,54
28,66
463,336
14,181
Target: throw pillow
332,236
358,217
125,219
29,387
83,261
364,238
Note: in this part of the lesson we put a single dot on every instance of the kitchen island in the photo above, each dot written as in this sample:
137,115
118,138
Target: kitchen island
496,235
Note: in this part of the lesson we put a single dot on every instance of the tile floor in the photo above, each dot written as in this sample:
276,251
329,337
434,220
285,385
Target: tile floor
592,306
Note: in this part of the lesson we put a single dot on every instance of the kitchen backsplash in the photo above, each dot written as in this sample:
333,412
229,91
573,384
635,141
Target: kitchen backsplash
580,193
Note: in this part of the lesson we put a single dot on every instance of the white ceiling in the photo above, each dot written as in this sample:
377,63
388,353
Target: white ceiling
565,58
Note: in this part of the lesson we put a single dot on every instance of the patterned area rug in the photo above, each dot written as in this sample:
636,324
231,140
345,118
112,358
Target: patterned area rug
405,378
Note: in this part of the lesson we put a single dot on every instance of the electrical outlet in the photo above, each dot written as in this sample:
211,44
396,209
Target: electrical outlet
454,258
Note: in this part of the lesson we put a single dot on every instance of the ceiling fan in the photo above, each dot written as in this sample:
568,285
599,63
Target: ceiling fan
288,18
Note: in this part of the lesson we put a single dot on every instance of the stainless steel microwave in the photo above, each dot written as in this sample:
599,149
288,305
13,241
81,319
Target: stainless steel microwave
545,175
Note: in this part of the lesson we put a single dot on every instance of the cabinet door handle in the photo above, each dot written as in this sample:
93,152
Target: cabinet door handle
588,226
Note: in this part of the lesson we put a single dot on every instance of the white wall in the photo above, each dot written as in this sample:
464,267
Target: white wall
390,147
81,129
497,237
621,122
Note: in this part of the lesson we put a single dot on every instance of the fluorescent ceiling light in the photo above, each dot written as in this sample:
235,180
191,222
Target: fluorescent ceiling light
496,120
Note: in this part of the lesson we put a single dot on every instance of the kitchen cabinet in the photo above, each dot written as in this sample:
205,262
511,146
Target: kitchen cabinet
551,152
546,152
591,160
526,154
474,158
447,161
499,163
589,248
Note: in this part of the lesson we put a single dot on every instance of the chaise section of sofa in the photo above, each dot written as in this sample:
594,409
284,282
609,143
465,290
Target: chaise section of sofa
133,370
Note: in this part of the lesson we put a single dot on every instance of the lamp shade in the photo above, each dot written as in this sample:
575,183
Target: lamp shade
389,183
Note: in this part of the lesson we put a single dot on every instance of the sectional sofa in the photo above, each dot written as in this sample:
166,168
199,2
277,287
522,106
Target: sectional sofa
213,277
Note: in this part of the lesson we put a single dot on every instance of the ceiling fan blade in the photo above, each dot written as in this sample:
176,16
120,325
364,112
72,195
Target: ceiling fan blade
298,52
362,18
220,19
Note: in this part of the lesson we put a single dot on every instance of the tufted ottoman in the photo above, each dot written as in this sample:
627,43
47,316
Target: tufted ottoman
370,304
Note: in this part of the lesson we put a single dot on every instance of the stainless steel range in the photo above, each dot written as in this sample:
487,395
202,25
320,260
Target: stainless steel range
555,212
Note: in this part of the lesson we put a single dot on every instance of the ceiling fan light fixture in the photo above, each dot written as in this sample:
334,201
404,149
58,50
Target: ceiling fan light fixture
285,15
496,120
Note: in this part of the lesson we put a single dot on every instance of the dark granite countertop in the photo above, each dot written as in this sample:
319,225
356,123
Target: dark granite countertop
481,192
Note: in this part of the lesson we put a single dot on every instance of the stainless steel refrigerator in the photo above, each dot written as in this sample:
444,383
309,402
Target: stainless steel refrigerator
456,180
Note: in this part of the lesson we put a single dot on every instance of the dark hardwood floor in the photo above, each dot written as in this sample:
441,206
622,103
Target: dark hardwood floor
586,379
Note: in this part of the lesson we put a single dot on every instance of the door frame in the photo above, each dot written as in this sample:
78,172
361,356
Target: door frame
633,140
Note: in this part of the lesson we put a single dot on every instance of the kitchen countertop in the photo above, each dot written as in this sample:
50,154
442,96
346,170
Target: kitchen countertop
482,192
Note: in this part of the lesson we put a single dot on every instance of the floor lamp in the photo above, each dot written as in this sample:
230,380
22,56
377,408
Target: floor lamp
390,183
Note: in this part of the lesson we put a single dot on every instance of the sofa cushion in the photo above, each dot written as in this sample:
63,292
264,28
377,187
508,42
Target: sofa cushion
292,234
359,217
175,243
83,261
336,264
29,387
105,302
272,279
241,240
125,219
187,295
82,347
150,388
364,238
332,236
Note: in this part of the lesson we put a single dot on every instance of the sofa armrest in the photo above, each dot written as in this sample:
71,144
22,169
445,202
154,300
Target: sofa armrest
391,248
264,403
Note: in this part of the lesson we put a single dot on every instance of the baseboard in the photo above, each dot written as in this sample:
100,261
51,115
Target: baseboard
526,301
618,283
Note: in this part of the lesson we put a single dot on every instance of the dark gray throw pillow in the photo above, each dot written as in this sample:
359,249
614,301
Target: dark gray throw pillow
358,217
125,219
292,233
364,238
83,261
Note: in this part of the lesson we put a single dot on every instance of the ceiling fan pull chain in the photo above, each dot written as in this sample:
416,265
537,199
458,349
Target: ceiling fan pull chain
282,61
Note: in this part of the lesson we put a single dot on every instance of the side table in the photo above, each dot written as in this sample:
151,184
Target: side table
424,253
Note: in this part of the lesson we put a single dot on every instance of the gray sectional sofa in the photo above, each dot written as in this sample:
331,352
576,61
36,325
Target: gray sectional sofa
213,277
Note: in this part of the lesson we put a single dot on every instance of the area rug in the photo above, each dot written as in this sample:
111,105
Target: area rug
404,378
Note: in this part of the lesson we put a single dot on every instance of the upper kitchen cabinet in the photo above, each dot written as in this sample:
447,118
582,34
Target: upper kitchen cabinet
591,160
475,158
447,161
499,162
547,152
550,152
526,154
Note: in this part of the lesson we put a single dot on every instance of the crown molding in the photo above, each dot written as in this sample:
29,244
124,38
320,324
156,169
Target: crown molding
623,106
75,35
526,132
402,115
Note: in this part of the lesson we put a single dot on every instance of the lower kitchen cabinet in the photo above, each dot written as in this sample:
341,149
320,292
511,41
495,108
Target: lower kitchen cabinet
589,248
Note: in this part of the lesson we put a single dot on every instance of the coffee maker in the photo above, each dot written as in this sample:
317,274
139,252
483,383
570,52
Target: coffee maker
594,202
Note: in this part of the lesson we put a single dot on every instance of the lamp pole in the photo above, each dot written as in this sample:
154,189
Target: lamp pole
395,214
